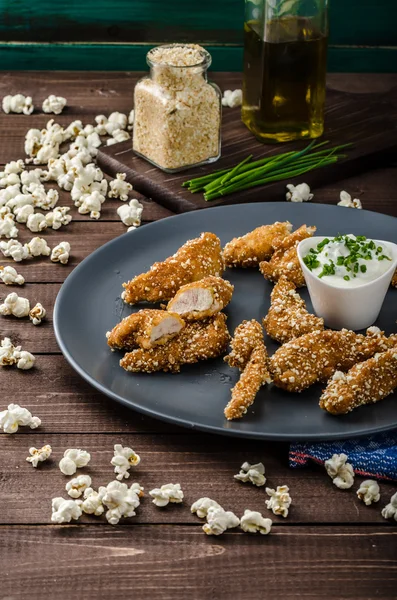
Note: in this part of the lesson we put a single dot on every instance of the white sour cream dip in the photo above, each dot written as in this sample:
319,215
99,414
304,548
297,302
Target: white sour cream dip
348,260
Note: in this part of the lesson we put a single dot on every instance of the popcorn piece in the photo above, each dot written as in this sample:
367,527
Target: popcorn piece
92,503
9,179
36,222
202,506
91,203
119,188
9,276
253,473
116,121
101,122
38,247
18,104
131,117
54,104
19,200
232,98
131,213
15,416
73,459
7,227
45,200
369,491
7,353
72,130
15,250
37,314
346,200
25,360
254,522
169,492
22,213
35,176
38,455
390,510
123,460
280,500
61,252
63,511
298,193
58,217
9,193
14,166
340,471
15,305
119,135
120,500
218,520
77,486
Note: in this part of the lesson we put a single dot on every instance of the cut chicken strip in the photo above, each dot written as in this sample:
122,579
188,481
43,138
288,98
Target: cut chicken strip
193,261
248,354
201,299
199,340
247,336
252,378
145,329
288,317
285,259
257,245
365,383
316,356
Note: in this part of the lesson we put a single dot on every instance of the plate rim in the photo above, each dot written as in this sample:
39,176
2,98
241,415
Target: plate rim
185,423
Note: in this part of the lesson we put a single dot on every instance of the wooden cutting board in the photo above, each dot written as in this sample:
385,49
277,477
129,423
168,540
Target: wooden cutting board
367,120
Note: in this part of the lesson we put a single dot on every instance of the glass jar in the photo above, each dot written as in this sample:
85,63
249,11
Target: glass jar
177,111
285,48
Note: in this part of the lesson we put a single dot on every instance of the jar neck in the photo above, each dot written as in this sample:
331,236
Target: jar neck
178,77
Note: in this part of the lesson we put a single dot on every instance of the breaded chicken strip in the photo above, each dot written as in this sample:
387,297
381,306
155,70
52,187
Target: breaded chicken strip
316,356
145,329
199,340
288,317
201,299
193,261
248,354
394,280
248,250
285,258
365,383
253,377
247,336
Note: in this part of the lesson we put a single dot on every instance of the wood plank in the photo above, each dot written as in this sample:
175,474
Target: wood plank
367,121
173,563
111,56
203,465
152,20
84,237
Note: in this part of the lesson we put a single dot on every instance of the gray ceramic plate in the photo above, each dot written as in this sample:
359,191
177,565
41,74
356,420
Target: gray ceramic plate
89,304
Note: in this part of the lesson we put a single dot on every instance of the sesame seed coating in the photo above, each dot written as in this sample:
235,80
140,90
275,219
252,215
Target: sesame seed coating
315,356
194,260
365,383
257,245
137,329
199,340
285,258
288,317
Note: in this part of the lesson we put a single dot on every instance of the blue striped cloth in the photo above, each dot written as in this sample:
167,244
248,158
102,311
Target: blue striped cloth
374,456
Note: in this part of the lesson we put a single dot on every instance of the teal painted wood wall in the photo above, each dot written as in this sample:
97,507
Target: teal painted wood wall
116,34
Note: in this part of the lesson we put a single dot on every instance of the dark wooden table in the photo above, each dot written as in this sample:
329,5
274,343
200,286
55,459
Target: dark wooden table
331,545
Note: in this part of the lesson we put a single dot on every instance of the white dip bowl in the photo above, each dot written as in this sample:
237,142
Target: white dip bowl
341,306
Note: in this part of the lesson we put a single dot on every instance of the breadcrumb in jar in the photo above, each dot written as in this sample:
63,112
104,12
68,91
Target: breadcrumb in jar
177,112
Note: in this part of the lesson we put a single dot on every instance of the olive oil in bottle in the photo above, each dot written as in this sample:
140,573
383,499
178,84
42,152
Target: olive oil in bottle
284,79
